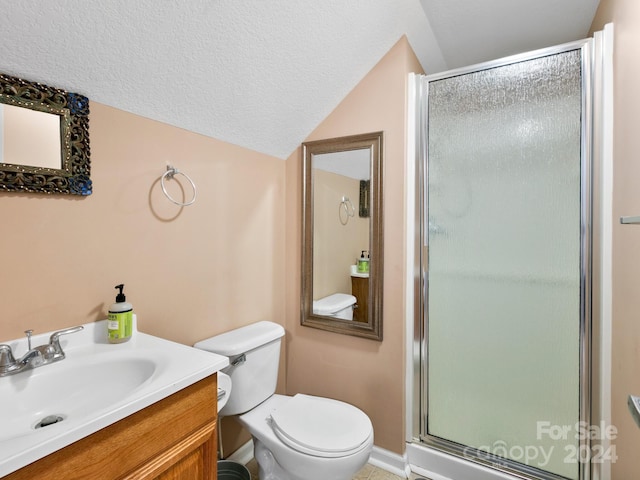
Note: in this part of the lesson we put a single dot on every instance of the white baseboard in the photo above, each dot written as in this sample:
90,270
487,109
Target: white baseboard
390,461
243,455
381,458
438,465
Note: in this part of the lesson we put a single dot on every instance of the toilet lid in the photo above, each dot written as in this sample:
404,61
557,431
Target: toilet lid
321,426
333,303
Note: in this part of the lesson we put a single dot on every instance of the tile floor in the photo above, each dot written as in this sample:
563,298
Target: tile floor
368,472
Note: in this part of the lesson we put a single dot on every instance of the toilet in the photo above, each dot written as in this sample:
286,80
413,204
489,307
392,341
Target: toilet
339,305
300,437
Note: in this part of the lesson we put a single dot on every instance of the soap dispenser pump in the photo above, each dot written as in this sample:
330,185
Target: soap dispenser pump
120,320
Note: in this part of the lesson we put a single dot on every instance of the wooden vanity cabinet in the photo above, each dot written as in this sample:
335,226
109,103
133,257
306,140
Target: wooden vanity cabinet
360,290
173,439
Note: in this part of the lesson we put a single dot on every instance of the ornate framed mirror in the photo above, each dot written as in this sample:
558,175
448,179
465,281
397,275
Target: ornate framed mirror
342,236
44,139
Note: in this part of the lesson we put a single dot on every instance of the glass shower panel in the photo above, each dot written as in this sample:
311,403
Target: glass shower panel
504,250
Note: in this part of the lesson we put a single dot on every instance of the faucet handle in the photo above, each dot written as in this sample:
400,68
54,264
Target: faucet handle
54,339
6,357
28,333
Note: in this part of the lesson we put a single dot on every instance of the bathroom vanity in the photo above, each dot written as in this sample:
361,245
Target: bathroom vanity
145,409
173,439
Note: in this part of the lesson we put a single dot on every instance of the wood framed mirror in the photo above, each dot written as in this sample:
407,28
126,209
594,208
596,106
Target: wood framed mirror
342,236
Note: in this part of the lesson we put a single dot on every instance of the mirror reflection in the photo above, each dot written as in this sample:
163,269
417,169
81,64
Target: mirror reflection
340,236
19,127
342,230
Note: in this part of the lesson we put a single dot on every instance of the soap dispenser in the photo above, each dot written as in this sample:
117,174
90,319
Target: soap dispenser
363,263
120,320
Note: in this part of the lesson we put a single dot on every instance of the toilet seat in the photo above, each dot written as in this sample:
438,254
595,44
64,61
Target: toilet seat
321,426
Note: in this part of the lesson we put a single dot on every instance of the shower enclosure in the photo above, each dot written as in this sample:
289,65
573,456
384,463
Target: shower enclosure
502,308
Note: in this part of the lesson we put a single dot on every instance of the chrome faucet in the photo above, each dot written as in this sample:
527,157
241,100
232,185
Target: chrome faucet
35,357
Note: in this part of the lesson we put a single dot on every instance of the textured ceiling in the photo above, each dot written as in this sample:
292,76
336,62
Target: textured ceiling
258,74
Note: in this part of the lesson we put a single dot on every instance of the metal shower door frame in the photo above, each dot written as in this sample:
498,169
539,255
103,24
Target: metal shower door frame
420,327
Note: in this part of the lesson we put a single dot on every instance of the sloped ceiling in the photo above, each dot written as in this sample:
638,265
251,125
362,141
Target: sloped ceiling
470,32
259,74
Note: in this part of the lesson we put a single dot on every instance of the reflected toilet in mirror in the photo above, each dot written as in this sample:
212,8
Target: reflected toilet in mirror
342,235
338,305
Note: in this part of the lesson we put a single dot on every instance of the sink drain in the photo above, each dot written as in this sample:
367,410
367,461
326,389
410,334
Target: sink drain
49,420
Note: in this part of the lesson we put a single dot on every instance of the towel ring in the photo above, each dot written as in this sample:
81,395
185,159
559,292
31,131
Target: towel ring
348,208
170,173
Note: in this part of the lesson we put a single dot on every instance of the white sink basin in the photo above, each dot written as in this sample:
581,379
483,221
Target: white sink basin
65,392
96,385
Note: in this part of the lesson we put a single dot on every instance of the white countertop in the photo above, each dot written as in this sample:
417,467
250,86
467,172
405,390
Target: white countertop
359,275
168,368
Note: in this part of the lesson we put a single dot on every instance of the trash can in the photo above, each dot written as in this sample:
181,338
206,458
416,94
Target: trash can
232,471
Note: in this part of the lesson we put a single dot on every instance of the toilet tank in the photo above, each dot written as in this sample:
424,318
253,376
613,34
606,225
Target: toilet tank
254,357
339,305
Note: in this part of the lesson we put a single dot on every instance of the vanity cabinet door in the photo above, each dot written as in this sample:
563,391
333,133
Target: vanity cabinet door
192,458
187,468
360,290
173,439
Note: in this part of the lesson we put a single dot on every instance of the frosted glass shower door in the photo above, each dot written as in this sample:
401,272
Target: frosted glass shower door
503,297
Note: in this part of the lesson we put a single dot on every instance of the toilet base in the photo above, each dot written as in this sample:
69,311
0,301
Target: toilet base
268,467
276,461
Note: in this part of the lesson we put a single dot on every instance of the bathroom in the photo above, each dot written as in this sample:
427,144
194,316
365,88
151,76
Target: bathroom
233,257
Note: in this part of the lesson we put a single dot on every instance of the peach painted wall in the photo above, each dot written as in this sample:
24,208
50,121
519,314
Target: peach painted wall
625,379
366,373
190,272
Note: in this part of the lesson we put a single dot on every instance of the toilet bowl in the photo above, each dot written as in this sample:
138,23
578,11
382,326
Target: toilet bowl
322,454
339,305
300,437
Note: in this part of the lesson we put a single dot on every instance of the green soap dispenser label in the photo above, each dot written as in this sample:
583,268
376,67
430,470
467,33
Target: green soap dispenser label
120,325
